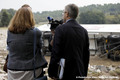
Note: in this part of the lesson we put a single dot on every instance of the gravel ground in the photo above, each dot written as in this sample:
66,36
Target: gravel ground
3,52
99,68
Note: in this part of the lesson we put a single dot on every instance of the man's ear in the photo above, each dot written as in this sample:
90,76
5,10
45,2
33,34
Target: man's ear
67,14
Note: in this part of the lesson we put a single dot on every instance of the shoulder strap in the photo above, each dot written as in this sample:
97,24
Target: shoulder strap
34,48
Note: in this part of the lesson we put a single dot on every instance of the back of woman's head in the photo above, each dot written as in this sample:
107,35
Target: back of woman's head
22,20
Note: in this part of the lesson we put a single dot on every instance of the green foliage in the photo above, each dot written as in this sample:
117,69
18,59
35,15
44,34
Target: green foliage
110,13
106,8
42,17
5,18
92,17
92,14
112,19
0,24
11,11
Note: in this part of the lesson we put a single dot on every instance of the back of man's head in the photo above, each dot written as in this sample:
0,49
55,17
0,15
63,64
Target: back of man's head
72,10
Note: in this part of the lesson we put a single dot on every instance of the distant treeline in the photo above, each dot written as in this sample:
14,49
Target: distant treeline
92,14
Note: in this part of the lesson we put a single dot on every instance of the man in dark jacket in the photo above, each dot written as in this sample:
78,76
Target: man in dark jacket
71,42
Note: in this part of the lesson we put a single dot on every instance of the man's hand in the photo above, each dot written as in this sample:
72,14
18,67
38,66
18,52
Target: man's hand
54,78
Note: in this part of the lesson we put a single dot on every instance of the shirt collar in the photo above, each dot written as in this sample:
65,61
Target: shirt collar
69,20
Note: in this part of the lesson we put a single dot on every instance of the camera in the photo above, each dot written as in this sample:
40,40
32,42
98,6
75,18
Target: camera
54,23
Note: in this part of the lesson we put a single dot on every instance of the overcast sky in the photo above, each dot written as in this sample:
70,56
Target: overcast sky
50,5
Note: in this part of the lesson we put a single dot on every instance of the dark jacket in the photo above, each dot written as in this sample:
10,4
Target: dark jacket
21,50
72,43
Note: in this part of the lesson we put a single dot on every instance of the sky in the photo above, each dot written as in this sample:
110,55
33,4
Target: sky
50,5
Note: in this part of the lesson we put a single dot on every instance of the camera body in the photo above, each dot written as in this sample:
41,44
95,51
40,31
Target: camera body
54,23
48,35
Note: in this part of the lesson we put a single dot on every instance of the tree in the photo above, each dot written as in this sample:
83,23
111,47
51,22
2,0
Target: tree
5,18
11,11
0,24
92,17
113,19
